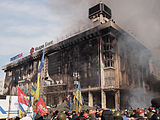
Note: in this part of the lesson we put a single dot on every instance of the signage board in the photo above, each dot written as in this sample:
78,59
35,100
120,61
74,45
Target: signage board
46,44
16,57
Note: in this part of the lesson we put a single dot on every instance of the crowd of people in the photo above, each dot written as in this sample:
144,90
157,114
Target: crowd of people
150,113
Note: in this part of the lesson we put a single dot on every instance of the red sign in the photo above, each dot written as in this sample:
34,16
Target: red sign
20,55
31,50
22,98
41,106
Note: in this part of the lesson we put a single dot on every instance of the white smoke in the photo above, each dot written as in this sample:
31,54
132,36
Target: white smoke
140,98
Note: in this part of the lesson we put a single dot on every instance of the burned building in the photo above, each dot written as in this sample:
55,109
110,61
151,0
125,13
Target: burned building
107,61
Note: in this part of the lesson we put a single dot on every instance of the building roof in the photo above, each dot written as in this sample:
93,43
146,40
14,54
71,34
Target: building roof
89,33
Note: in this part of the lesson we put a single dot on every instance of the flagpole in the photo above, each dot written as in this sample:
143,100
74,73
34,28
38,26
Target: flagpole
9,107
9,101
28,109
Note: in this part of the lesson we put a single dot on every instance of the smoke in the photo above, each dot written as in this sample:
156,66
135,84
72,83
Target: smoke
140,18
139,98
72,15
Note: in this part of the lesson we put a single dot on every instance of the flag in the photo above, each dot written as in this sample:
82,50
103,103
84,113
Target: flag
41,106
29,103
69,102
78,99
33,91
20,110
36,95
22,98
42,63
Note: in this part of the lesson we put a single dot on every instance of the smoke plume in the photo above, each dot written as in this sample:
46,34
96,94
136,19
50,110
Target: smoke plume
140,18
139,98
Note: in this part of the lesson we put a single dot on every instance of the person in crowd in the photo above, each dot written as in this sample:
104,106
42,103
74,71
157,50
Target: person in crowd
141,114
92,115
74,115
155,115
61,116
117,115
46,117
38,116
54,115
25,117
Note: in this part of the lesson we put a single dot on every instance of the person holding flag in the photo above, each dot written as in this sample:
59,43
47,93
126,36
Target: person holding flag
78,99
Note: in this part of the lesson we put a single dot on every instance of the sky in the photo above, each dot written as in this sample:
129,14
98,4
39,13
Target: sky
30,23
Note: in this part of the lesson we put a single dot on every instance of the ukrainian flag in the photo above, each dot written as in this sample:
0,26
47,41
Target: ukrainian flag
33,91
78,99
36,95
20,110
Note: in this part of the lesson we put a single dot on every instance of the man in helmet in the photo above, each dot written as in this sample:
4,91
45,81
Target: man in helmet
155,115
107,115
149,115
141,114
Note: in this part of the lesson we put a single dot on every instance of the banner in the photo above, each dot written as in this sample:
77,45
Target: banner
22,98
41,106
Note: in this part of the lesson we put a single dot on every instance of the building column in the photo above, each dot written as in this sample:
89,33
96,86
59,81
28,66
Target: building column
90,99
103,99
117,99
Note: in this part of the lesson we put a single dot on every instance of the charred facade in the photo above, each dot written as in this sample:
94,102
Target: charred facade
106,60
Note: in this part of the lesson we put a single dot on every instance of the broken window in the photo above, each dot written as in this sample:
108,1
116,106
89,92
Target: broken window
109,61
108,51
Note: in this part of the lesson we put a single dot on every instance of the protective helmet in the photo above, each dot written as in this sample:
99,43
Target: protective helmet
61,116
85,115
116,114
140,111
150,114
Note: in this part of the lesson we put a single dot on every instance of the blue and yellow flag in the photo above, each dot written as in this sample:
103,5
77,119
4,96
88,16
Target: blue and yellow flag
78,99
69,102
33,91
36,95
20,110
42,63
29,103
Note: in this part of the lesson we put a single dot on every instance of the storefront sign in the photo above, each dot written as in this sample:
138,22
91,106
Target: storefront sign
39,48
46,44
16,57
